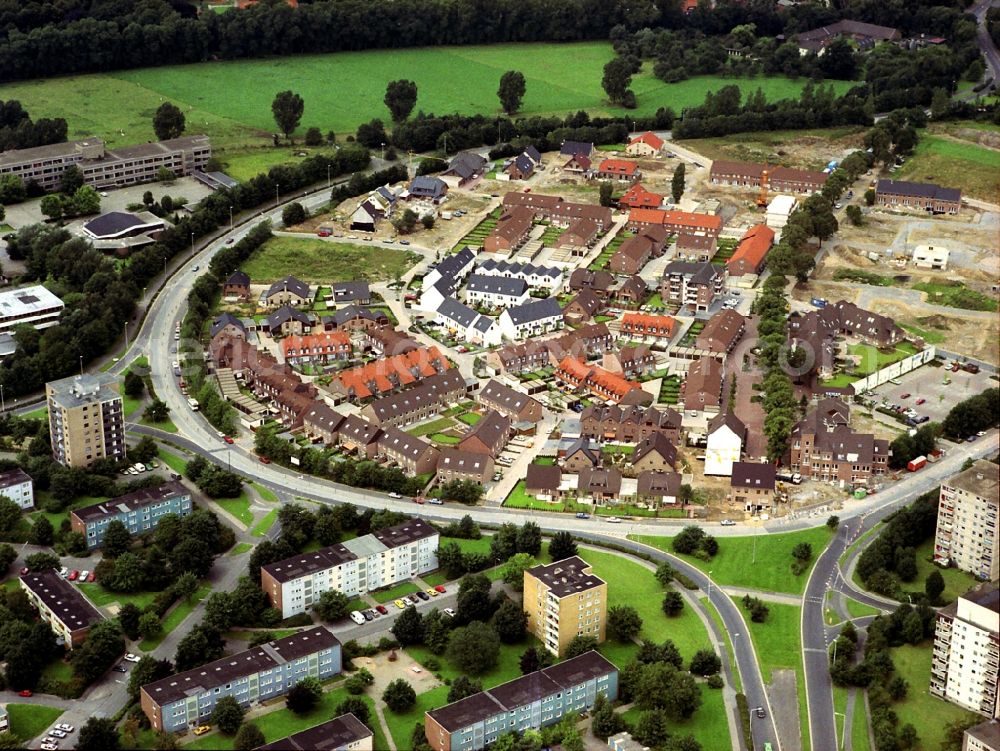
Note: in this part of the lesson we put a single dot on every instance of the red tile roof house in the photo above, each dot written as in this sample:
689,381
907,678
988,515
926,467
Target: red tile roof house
702,390
640,325
675,221
630,362
648,144
578,163
637,197
618,169
599,382
748,259
511,231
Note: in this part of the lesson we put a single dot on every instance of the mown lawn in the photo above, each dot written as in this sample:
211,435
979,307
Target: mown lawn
709,725
954,164
102,597
401,723
264,525
175,617
873,359
28,720
313,260
434,426
238,507
956,582
240,548
177,463
394,593
736,563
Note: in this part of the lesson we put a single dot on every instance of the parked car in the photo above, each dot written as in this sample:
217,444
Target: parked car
440,589
228,439
65,726
368,615
91,577
450,612
905,396
412,599
582,515
399,604
64,572
264,460
382,609
357,617
435,501
202,729
422,595
432,592
394,494
57,733
129,657
24,570
920,401
26,692
613,520
727,523
760,712
120,669
83,575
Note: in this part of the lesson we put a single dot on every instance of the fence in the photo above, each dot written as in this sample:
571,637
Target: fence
895,370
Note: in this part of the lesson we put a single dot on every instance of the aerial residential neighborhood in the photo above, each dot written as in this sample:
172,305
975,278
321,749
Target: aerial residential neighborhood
435,377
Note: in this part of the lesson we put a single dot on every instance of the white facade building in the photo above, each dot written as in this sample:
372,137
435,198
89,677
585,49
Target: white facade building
967,521
531,319
725,444
17,485
967,650
778,211
930,257
381,559
496,291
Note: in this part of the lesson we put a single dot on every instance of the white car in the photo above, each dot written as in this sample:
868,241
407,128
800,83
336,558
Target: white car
49,746
58,733
83,577
357,617
395,495
129,657
613,520
727,523
64,572
450,612
65,727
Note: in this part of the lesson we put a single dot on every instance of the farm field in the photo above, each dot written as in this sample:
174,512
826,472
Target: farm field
954,163
793,148
313,260
230,101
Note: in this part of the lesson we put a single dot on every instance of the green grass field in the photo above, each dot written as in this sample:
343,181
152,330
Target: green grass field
709,725
401,723
954,294
928,714
102,597
973,168
393,593
231,101
28,720
931,337
177,463
313,260
175,617
956,582
873,359
264,525
736,564
238,507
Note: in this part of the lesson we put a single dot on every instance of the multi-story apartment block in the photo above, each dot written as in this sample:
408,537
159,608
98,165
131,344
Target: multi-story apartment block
983,737
825,448
180,702
967,521
17,485
383,558
964,668
68,613
32,305
344,733
139,511
532,701
107,168
85,420
564,600
692,284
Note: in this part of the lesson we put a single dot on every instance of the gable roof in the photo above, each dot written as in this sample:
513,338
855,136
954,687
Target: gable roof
587,301
465,164
426,185
658,483
410,446
543,477
290,284
918,190
238,279
687,219
223,320
753,475
638,197
721,331
650,139
350,291
497,285
656,443
352,312
490,429
534,310
753,246
428,391
731,421
457,460
453,310
618,167
573,148
287,313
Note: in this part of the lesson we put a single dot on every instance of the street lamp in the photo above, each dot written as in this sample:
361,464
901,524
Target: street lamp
126,336
382,152
192,244
276,198
230,218
328,177
709,586
3,404
843,729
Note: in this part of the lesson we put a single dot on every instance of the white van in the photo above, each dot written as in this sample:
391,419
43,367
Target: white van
357,617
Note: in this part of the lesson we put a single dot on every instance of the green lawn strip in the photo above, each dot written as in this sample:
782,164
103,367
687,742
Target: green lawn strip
313,260
928,714
859,609
283,723
507,668
729,642
264,525
956,582
102,597
240,548
238,507
56,519
29,720
859,725
445,439
545,461
629,583
470,418
873,359
434,426
166,426
57,670
839,705
401,723
177,463
175,617
709,725
736,564
931,337
267,495
394,593
42,413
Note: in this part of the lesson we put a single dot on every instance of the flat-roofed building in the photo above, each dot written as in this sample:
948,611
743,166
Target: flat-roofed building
967,651
107,168
63,606
183,701
17,485
85,420
34,305
532,701
344,733
140,511
967,521
563,600
354,567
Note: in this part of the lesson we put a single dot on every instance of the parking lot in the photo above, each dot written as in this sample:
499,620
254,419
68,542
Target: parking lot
928,383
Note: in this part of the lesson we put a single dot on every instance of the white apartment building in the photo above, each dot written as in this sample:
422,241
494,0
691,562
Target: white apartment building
496,291
983,737
33,305
17,485
966,662
381,559
531,319
967,521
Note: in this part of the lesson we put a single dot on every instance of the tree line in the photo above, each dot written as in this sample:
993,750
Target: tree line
19,131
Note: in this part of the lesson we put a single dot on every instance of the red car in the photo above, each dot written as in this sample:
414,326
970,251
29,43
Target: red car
264,460
73,575
91,576
921,401
25,692
25,570
440,588
382,609
227,439
418,499
905,396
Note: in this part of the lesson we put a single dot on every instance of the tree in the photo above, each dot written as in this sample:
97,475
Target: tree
99,734
149,624
705,662
399,695
128,619
117,539
52,207
462,687
870,196
314,136
677,182
534,658
428,221
510,622
665,574
104,645
200,645
562,546
287,109
606,191
405,224
673,603
85,200
168,122
42,532
623,623
42,562
304,695
147,670
475,649
802,552
688,540
408,628
511,91
359,681
934,586
504,542
356,706
400,98
513,570
71,180
133,385
332,605
617,79
604,722
248,737
651,729
580,644
227,715
832,523
7,556
157,411
294,213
